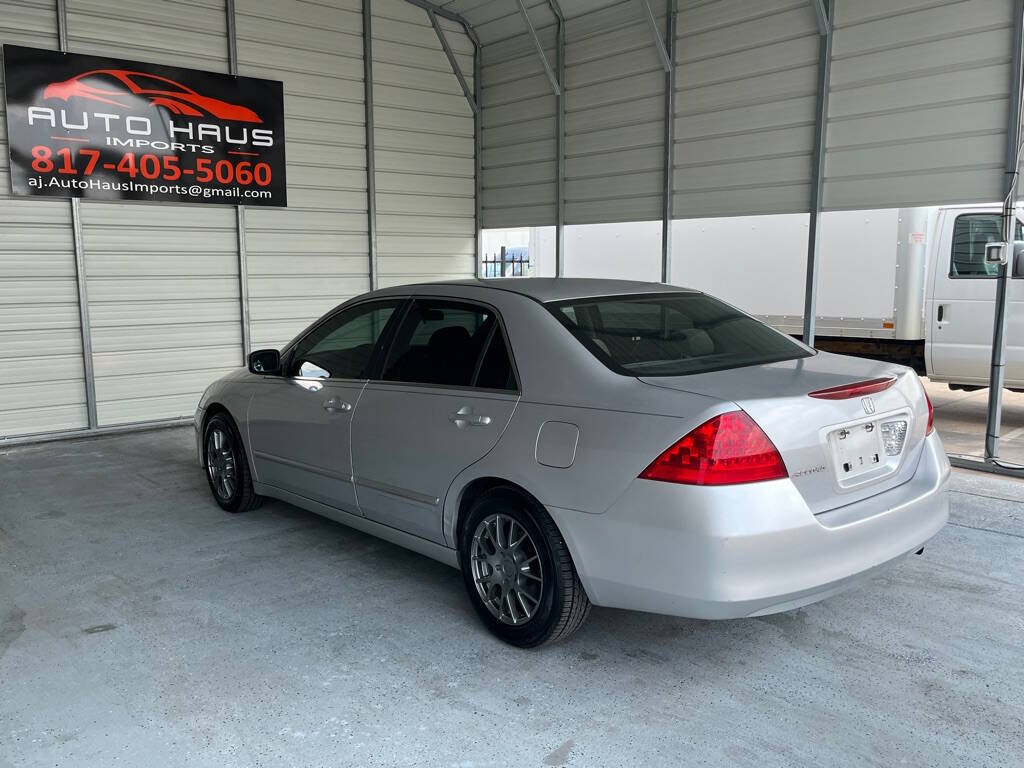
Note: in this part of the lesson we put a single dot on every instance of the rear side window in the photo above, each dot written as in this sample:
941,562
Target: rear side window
672,334
449,343
971,233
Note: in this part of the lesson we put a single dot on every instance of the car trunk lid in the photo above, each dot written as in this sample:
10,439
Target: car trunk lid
833,444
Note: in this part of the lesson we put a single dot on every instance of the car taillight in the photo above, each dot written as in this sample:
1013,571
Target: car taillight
728,449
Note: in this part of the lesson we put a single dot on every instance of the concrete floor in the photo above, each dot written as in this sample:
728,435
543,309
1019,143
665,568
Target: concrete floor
142,626
960,419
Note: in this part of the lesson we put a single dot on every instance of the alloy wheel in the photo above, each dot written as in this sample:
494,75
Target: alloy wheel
507,569
220,463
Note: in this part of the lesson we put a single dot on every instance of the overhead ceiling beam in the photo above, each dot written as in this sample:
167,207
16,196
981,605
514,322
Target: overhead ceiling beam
821,14
453,61
659,44
540,48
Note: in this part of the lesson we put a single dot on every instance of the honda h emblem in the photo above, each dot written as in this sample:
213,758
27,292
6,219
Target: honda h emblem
868,403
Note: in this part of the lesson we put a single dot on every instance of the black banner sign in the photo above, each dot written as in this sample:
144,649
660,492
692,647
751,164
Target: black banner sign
83,126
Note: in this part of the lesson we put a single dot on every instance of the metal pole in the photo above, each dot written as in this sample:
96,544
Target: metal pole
817,177
1013,137
540,48
81,279
478,142
669,148
243,255
371,164
559,142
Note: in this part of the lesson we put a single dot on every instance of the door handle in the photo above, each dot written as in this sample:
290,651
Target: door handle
337,406
465,417
938,315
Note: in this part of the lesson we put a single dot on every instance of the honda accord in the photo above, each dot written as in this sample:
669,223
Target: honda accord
569,442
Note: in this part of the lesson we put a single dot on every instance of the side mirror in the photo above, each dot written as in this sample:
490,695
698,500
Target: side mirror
265,362
995,253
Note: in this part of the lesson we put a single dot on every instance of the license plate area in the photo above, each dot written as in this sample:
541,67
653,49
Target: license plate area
858,453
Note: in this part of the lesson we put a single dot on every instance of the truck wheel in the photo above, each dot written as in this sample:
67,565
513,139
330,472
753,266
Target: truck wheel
518,571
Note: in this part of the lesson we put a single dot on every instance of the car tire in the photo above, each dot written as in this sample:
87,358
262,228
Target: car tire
508,576
226,466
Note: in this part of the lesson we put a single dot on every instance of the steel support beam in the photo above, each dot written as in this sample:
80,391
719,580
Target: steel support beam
81,280
817,178
470,97
821,14
997,371
559,140
662,46
478,143
668,189
243,255
371,163
540,48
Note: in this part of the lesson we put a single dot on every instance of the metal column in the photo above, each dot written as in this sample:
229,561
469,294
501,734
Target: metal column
825,16
478,143
559,141
668,188
80,275
243,256
1013,149
371,166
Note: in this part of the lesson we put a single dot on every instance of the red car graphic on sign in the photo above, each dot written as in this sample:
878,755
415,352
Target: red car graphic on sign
109,86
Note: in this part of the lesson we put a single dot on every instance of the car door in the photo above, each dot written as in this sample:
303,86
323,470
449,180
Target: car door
300,421
447,390
961,312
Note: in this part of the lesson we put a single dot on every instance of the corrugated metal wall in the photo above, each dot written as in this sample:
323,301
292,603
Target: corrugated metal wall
918,105
519,154
745,99
615,116
424,148
312,255
41,372
162,279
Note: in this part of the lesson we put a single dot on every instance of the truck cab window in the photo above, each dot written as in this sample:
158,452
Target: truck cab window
971,233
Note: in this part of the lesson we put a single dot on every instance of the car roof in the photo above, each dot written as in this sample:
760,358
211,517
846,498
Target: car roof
546,289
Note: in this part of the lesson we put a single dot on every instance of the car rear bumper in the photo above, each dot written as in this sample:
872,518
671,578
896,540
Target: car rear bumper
747,550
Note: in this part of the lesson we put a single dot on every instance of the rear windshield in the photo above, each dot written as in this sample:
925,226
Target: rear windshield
672,334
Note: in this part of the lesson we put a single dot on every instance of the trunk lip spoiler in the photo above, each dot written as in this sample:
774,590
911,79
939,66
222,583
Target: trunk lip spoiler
854,389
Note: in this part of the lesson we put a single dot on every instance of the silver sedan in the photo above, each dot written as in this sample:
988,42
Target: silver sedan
568,443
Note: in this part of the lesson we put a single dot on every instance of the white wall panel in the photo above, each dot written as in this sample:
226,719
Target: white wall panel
423,148
162,279
41,373
918,102
312,255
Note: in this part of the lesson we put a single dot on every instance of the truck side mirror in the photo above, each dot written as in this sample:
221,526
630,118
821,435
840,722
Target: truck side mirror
995,253
265,362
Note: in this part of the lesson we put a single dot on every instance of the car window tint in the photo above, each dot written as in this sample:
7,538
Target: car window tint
672,334
971,233
439,342
342,347
496,368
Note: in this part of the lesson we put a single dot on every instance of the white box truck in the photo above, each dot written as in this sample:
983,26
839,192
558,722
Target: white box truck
909,285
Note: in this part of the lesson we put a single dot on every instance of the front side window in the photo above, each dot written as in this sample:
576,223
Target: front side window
672,334
971,233
450,343
343,346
